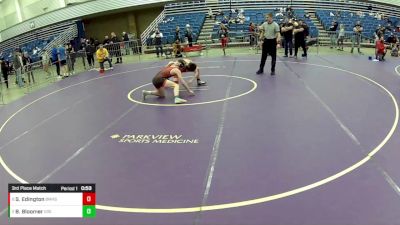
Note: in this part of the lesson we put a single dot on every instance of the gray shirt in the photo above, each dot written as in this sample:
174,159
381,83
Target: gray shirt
270,30
17,62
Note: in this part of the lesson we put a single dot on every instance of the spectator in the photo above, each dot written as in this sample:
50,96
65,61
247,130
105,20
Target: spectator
35,50
27,62
299,33
210,13
71,56
83,44
125,36
106,43
341,37
90,50
290,13
157,37
332,33
240,18
252,32
102,55
177,49
356,39
62,57
223,35
392,40
287,33
106,40
189,35
18,65
379,32
4,71
379,16
96,43
55,59
395,50
127,43
81,51
46,62
177,34
380,49
338,13
116,48
225,20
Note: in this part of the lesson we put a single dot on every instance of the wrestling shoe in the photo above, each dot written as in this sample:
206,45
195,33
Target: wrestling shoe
179,100
144,95
201,83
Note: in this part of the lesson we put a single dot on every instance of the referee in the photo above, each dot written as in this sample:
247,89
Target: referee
271,36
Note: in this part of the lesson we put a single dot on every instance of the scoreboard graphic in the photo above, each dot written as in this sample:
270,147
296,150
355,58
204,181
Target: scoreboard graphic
51,200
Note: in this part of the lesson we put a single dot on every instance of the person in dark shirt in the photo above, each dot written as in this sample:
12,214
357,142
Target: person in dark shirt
333,34
189,35
4,70
90,50
287,32
127,43
27,62
106,40
81,50
115,47
356,39
300,33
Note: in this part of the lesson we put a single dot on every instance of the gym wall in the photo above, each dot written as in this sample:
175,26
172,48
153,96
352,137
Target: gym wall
135,21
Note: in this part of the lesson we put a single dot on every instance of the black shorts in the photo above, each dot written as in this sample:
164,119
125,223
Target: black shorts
158,81
63,62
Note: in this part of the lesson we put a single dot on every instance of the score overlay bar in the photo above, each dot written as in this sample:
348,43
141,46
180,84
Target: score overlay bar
52,200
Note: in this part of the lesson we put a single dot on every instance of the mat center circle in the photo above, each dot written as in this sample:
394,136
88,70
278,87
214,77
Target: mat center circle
134,94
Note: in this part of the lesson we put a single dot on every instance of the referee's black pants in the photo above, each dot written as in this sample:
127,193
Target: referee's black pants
268,48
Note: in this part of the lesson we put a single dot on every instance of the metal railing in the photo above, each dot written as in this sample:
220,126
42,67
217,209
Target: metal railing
350,38
117,50
65,37
153,25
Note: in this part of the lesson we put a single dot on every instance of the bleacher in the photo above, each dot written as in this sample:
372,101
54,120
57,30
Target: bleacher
258,17
167,27
36,39
369,23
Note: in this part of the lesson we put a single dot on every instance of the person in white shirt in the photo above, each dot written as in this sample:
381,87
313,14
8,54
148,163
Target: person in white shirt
157,38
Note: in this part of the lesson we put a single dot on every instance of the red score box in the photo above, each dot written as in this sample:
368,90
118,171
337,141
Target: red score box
89,198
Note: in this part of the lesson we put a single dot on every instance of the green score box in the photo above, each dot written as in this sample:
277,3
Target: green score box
89,211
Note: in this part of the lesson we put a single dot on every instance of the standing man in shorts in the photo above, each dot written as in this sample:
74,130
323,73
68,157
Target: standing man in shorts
271,37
